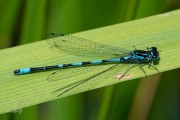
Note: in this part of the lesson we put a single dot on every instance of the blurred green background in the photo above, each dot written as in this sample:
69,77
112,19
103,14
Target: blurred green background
155,98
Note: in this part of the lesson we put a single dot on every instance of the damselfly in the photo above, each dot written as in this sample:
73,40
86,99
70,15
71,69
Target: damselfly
83,47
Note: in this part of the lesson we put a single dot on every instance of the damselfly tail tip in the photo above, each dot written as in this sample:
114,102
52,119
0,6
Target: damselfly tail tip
16,72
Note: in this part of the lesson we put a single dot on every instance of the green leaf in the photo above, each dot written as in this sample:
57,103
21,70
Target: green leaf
16,92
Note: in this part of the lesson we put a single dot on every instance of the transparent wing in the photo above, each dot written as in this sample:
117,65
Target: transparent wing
112,71
69,72
83,47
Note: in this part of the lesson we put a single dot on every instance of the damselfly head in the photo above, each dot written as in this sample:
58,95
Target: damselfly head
154,53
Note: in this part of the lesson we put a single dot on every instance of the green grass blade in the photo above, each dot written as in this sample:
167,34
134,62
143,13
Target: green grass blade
26,90
9,20
33,21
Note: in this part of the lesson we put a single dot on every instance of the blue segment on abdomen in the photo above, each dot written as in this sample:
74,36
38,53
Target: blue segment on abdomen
96,62
60,65
127,57
115,60
24,71
77,64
